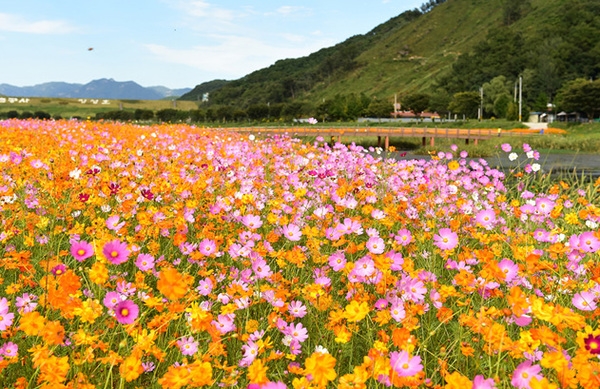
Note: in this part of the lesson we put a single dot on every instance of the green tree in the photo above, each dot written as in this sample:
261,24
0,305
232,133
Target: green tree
465,103
379,109
581,95
416,102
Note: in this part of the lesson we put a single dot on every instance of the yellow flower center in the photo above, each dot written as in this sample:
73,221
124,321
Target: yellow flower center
124,312
405,366
80,252
114,254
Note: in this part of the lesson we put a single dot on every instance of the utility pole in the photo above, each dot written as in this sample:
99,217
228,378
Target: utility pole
520,98
481,104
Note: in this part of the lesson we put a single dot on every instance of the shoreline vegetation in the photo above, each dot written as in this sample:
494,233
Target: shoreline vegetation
173,256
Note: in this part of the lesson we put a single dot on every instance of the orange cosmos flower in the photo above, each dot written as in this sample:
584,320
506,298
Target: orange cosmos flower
321,366
131,368
257,372
176,377
172,284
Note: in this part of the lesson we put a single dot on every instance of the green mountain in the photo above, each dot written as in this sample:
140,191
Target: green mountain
454,46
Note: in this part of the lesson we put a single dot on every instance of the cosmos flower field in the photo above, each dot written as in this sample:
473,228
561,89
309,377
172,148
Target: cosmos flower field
171,256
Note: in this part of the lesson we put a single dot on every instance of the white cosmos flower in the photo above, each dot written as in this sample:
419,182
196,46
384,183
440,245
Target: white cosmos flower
535,167
513,156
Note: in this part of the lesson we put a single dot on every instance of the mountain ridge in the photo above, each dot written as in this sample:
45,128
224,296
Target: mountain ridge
103,88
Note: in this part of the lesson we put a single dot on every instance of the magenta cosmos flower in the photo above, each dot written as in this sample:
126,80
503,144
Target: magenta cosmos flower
592,344
445,239
404,365
116,252
126,312
81,250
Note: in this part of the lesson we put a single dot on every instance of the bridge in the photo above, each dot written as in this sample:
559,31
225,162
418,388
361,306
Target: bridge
383,134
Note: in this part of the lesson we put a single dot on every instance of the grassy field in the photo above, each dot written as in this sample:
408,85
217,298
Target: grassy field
87,107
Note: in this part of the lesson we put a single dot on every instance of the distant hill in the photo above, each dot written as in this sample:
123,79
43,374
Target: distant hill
441,49
104,88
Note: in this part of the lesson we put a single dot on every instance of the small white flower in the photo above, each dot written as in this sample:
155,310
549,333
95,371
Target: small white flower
75,173
106,208
251,137
321,349
591,224
530,154
513,156
535,167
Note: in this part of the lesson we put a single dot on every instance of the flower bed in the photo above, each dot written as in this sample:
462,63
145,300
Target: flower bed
172,256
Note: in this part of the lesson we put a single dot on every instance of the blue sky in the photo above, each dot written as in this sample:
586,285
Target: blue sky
174,43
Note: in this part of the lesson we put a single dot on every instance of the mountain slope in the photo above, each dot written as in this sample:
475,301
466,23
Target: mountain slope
457,46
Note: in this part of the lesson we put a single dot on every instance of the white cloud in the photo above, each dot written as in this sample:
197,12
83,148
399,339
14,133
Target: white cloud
16,23
234,56
289,9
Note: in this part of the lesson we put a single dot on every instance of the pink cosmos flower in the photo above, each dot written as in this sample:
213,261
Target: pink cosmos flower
252,221
297,309
81,250
224,323
364,267
188,346
480,382
116,252
404,365
6,318
207,247
126,312
506,147
297,332
337,260
585,301
9,350
446,239
144,262
403,237
397,311
524,373
205,286
588,242
509,268
111,299
292,232
486,217
261,268
112,223
250,351
26,303
375,245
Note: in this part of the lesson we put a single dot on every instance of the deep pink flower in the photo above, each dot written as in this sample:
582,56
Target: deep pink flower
404,365
446,239
81,250
59,269
116,252
126,312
